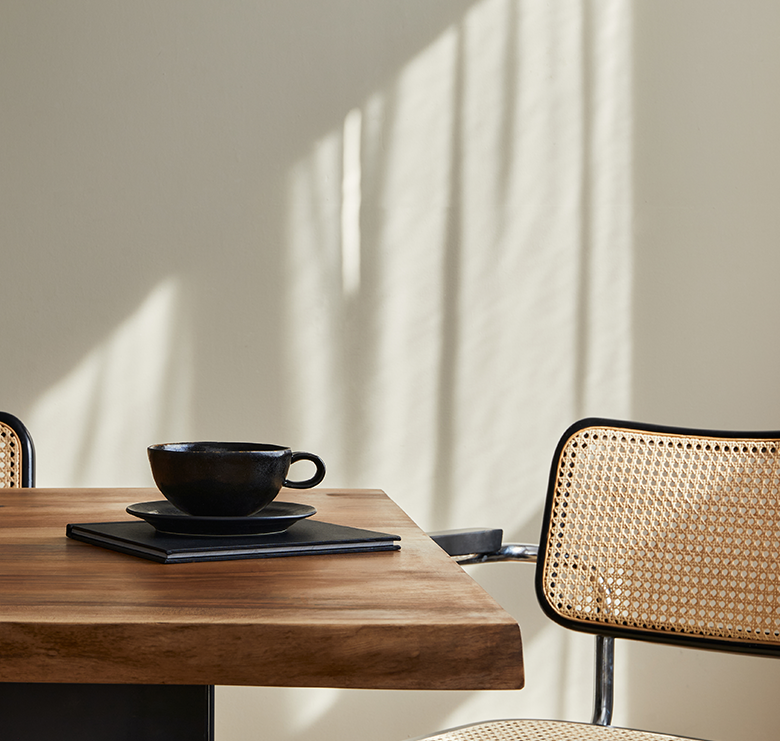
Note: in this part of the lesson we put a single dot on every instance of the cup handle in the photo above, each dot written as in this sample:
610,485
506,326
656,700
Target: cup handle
319,474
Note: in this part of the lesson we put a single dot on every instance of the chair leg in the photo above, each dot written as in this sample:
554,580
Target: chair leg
604,680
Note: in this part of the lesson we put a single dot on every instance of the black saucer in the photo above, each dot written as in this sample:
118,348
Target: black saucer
273,518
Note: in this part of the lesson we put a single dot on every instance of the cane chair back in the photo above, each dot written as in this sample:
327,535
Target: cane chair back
652,533
664,534
17,455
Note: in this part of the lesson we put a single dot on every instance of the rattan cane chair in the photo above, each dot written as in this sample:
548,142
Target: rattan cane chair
17,454
649,533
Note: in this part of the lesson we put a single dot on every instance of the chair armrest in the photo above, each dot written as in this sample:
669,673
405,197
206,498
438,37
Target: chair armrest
484,545
468,540
527,552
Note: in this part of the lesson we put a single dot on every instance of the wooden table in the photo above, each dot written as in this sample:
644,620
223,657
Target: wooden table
76,613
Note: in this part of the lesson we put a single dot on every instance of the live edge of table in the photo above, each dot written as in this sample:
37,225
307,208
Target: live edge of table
76,613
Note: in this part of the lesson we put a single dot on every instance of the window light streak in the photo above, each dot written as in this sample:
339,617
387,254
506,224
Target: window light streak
93,426
495,138
350,202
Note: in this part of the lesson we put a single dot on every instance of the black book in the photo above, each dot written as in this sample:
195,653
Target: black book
306,537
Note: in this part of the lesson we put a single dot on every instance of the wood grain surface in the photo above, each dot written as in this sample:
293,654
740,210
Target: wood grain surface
410,619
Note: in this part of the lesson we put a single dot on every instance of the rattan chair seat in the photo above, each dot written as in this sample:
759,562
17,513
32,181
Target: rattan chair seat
546,730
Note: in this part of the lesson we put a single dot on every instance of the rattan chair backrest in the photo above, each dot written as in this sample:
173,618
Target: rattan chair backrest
17,464
10,470
664,534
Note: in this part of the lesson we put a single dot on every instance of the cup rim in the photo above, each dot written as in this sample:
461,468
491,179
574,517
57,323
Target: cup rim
213,446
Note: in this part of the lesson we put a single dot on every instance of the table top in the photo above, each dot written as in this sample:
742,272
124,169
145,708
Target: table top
407,619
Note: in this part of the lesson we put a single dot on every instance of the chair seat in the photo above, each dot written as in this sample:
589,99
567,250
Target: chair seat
547,730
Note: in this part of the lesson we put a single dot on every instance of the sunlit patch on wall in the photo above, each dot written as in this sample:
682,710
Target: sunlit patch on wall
350,202
459,280
133,389
459,248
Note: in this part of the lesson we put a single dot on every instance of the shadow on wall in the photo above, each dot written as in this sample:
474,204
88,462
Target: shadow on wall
417,244
459,272
93,426
472,296
154,144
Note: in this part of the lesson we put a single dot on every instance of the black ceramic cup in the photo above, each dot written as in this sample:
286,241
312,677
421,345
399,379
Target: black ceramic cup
210,479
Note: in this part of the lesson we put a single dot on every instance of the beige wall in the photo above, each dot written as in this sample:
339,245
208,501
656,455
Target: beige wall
416,238
706,307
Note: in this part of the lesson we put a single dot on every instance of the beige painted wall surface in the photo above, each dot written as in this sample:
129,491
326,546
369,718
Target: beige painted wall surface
419,239
706,308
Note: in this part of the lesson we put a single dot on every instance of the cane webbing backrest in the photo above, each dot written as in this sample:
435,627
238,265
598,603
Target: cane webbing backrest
17,453
665,534
545,730
10,457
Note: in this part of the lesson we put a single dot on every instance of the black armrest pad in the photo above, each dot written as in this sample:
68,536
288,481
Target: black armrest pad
468,540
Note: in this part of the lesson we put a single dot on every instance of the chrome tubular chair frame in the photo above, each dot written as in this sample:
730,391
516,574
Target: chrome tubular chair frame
604,679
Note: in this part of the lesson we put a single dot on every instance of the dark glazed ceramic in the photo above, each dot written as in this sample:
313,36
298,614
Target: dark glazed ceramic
275,517
211,479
